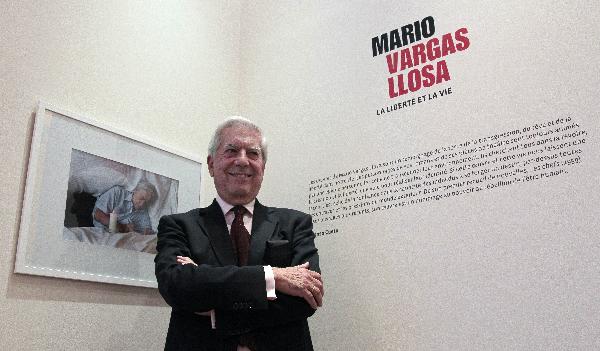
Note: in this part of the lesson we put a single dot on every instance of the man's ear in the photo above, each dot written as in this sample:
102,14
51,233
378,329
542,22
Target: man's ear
209,163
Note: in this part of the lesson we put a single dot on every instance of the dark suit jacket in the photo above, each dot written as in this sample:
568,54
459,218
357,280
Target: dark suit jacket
280,238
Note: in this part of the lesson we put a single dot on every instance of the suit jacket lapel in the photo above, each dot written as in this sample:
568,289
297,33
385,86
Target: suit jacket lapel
212,222
263,228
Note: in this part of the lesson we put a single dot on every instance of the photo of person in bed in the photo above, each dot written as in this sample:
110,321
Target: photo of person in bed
131,208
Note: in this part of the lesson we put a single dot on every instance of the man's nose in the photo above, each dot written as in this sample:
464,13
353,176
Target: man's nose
242,159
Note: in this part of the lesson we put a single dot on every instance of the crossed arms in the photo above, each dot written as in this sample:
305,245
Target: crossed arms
191,278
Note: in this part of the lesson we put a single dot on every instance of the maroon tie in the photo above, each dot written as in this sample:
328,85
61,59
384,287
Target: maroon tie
240,236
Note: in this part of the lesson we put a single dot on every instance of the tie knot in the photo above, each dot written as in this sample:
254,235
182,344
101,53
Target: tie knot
239,210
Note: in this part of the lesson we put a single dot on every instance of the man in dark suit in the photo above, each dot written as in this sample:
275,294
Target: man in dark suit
238,275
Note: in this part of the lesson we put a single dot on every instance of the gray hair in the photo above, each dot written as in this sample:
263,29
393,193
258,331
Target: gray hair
236,121
148,188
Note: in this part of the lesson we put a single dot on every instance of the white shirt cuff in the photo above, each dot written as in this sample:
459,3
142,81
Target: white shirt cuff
270,280
210,313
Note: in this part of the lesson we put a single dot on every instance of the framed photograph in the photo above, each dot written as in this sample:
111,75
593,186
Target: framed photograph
93,199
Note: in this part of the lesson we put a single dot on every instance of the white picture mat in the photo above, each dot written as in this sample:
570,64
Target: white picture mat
41,248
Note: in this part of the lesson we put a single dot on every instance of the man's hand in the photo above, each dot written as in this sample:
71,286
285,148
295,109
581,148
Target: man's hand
302,282
125,227
183,260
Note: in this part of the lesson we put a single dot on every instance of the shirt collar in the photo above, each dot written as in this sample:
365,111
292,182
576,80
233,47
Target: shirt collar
226,207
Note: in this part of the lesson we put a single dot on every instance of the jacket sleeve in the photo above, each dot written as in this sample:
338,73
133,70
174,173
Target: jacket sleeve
206,286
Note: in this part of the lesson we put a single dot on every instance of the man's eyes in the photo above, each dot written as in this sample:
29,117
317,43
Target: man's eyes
251,153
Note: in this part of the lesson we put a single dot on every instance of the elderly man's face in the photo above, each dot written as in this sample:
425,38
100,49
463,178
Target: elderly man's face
141,198
238,165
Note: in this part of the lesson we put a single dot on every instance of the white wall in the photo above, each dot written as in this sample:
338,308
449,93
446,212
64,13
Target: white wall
167,71
511,268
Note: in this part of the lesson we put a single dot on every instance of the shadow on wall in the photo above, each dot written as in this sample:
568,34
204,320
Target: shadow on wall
31,287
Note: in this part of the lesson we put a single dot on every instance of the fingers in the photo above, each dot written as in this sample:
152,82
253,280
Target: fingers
313,295
311,299
318,295
314,275
301,282
318,285
183,260
317,280
315,288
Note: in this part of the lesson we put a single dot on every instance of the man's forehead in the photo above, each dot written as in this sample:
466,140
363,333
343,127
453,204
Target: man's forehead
144,193
240,137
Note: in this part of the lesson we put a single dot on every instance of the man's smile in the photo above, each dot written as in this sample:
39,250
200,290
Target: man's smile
240,174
